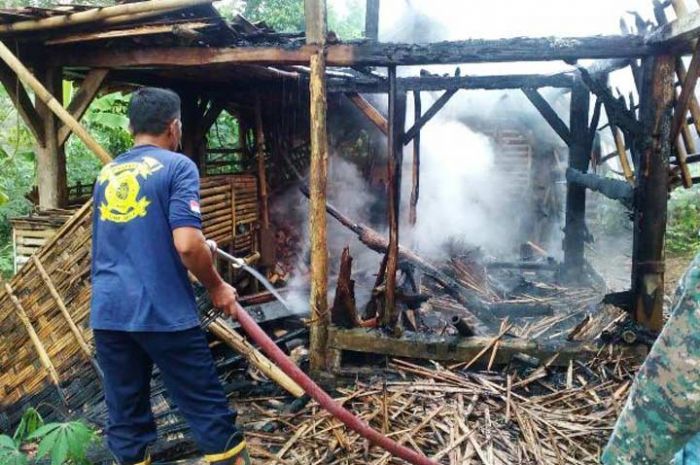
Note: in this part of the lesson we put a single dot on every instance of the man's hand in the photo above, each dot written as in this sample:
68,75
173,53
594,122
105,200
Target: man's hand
224,298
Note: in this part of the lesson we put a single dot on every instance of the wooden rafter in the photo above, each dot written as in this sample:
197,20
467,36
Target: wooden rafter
151,7
82,99
369,111
548,114
208,119
428,115
22,102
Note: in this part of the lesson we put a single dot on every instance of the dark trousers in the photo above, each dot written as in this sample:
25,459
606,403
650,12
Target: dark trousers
187,369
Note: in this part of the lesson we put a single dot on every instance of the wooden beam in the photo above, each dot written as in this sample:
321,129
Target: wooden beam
436,83
575,226
683,29
51,173
369,111
651,193
208,120
372,20
459,349
23,103
415,178
43,95
372,54
318,172
98,14
549,114
82,99
397,112
432,111
687,91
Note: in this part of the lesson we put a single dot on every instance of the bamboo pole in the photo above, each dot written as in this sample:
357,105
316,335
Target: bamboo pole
99,14
54,105
318,171
622,154
243,347
66,315
262,177
41,350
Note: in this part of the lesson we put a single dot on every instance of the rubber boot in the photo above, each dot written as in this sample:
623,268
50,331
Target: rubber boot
236,456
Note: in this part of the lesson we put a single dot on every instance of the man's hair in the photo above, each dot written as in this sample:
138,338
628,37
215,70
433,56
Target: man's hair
152,109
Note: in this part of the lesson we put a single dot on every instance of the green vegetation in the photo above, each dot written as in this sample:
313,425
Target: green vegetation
63,443
683,232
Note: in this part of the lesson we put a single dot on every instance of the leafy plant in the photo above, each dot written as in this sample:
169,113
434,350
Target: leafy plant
683,230
31,421
10,453
65,443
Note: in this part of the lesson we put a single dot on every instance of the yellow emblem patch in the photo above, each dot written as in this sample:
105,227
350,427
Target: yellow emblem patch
121,194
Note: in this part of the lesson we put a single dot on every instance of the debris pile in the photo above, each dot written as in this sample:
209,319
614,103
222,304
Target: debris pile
520,415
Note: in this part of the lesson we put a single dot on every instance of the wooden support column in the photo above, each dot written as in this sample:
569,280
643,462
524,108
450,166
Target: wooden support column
50,156
397,119
262,174
316,35
651,192
190,115
575,228
372,20
415,188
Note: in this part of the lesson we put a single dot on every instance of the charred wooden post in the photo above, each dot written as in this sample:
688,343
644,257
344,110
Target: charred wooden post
316,35
372,20
369,111
415,188
344,311
397,114
652,192
191,114
574,230
52,180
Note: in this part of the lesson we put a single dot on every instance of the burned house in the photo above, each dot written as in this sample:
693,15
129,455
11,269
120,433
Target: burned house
534,305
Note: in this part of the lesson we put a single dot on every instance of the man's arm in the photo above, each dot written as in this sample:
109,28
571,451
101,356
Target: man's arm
197,257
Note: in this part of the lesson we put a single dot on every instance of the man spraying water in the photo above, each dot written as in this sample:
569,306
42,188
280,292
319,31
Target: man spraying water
146,235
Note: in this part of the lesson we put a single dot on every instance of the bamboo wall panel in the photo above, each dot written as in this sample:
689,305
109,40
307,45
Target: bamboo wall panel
231,218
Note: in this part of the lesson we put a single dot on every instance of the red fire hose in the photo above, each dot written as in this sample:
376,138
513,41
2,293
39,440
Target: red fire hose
363,429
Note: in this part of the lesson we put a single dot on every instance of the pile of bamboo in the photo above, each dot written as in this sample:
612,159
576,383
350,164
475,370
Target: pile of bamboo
520,415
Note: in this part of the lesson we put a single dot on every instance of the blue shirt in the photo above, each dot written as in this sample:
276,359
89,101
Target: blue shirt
138,280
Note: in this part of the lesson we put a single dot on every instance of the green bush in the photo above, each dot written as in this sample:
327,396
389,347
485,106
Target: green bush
683,230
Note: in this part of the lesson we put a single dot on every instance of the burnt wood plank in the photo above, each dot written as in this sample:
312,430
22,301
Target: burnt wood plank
548,114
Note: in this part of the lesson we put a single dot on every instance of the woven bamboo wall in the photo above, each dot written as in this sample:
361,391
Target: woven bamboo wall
229,208
30,233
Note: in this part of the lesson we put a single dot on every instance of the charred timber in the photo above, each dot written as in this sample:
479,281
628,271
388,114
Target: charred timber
371,53
380,244
611,188
681,31
436,83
